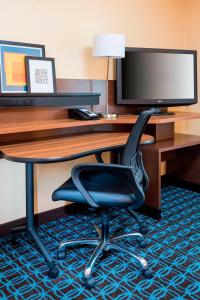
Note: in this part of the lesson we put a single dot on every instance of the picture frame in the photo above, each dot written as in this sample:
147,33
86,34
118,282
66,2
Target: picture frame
40,75
12,65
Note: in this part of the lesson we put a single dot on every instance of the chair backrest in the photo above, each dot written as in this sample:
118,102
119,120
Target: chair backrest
133,142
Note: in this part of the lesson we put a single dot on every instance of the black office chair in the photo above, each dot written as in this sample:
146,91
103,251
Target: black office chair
142,227
105,186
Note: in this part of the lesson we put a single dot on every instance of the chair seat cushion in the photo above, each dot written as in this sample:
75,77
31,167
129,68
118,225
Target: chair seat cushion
106,189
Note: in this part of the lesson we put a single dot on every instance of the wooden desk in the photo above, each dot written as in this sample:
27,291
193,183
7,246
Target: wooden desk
56,150
66,148
36,142
16,128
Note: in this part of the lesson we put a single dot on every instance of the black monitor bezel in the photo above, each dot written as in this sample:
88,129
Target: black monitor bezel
157,102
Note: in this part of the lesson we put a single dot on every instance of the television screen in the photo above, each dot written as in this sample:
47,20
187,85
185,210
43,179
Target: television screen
157,77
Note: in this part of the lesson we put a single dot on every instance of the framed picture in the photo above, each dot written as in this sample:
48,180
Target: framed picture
12,65
40,75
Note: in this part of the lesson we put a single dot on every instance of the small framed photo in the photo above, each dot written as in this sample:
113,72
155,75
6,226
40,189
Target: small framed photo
40,74
12,65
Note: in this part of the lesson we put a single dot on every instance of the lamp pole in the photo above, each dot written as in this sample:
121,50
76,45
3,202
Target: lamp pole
108,46
107,83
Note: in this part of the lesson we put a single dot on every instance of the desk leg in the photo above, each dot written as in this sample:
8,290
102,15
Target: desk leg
152,164
53,270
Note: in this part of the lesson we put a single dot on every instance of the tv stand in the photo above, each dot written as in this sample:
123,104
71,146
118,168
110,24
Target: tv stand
160,111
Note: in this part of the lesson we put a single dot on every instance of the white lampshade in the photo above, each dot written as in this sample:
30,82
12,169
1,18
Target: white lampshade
109,45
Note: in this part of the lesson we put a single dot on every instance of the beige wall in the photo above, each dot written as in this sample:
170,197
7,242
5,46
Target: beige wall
191,29
66,28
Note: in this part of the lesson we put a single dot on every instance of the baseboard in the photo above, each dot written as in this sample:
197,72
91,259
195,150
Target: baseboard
172,180
40,218
62,212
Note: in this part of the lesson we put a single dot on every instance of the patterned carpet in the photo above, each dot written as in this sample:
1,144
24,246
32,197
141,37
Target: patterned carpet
173,254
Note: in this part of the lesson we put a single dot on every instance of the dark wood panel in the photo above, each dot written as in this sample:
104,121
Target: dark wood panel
75,85
153,168
161,131
186,165
95,86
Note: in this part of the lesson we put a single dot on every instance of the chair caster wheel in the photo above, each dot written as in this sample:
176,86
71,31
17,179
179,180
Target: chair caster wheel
61,254
143,230
106,249
89,283
147,273
53,272
142,243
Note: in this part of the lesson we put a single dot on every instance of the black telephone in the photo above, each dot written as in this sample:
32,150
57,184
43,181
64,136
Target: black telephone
83,114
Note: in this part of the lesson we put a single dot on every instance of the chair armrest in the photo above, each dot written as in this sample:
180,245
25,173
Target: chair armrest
108,168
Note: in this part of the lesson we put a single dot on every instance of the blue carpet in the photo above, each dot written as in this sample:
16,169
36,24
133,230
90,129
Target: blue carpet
173,253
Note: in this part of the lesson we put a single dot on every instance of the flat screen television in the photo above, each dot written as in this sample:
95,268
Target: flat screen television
157,77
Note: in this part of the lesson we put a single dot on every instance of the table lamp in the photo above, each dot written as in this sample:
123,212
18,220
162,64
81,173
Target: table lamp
108,46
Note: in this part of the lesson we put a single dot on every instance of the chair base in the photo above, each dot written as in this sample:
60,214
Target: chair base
104,243
142,228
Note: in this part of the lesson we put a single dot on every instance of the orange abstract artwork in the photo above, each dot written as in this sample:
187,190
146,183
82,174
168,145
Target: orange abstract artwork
14,69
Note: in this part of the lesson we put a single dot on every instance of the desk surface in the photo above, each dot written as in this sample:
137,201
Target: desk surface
66,148
180,141
21,126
